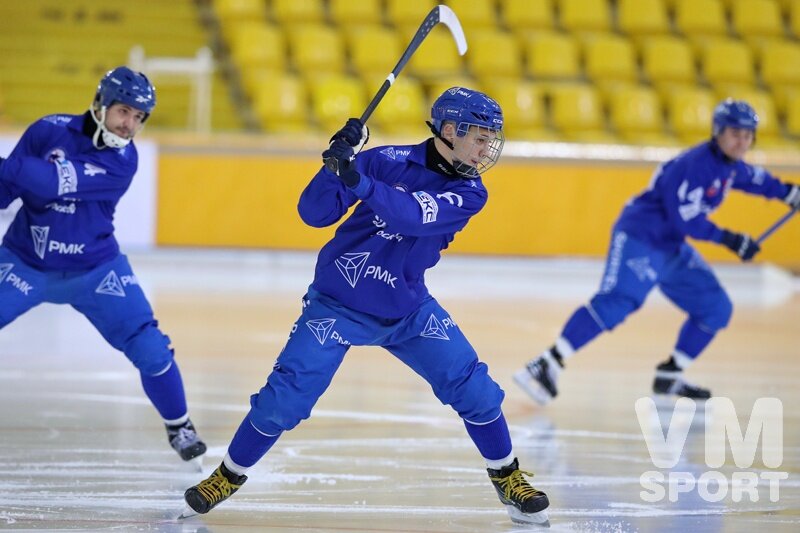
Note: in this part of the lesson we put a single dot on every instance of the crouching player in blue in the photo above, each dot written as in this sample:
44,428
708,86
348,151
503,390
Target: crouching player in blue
369,290
648,248
70,171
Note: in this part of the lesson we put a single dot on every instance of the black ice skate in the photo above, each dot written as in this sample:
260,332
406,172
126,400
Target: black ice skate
210,492
184,440
525,504
669,380
539,377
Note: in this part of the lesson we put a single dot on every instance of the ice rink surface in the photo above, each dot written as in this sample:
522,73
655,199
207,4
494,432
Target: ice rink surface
81,449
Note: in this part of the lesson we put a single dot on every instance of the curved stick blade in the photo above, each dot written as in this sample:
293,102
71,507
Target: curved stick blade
449,19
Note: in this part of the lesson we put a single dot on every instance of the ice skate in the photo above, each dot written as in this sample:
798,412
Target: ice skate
525,504
669,381
539,377
184,440
215,489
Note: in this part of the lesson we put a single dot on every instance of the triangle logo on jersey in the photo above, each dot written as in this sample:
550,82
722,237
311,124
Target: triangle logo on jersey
110,285
5,268
641,267
388,152
434,330
351,265
321,328
39,234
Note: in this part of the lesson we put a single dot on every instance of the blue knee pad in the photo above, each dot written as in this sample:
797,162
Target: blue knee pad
148,349
717,315
477,398
611,309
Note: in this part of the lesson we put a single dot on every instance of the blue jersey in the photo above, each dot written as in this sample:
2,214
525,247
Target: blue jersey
69,190
685,190
408,213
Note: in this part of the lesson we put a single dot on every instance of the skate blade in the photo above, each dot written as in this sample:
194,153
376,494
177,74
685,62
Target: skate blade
518,517
188,512
196,463
533,389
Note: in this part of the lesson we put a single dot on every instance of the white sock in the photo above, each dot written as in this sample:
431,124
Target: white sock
497,464
233,467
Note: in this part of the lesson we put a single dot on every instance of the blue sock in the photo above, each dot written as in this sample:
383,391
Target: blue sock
166,392
492,439
692,340
581,328
249,445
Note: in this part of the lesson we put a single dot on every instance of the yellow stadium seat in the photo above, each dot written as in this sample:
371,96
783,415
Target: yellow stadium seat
403,110
475,14
436,57
347,13
256,44
667,60
316,49
794,18
700,17
292,12
551,55
493,54
642,17
523,110
609,58
373,50
793,113
402,13
780,63
576,112
239,10
689,113
281,103
756,18
524,16
584,15
335,98
780,70
726,60
636,115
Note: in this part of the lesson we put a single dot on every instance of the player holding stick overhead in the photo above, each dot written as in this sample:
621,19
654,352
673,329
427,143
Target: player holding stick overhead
369,290
648,248
70,171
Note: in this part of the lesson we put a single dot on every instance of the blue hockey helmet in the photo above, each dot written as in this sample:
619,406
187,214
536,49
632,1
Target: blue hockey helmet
732,113
128,87
466,107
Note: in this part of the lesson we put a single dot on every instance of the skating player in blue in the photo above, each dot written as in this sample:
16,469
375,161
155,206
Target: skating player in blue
369,290
648,249
70,171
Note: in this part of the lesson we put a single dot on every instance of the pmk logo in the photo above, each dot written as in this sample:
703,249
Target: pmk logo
20,284
113,285
436,329
322,328
352,264
766,420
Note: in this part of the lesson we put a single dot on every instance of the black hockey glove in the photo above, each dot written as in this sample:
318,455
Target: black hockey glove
342,154
355,133
742,245
793,198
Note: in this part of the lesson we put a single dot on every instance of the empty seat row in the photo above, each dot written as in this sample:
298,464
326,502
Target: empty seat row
634,17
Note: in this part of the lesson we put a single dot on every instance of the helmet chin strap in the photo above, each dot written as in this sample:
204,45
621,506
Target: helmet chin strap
110,139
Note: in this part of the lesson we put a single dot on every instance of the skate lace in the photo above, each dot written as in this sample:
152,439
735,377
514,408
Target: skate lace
216,488
515,486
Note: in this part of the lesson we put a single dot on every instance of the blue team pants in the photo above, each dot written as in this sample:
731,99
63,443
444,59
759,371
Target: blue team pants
427,340
108,295
633,269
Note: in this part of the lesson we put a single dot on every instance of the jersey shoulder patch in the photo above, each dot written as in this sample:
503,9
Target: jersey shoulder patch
58,120
395,153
